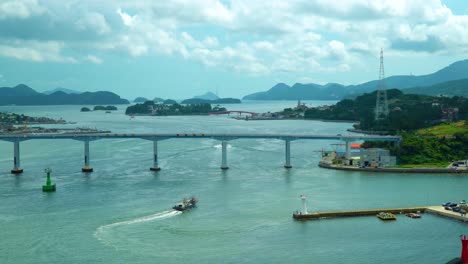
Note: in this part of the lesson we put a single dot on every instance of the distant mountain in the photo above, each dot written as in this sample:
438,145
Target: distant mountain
169,101
24,95
449,89
333,91
140,100
60,89
309,91
158,99
218,101
207,96
19,90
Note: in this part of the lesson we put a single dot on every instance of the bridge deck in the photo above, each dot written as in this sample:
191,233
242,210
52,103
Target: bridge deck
162,136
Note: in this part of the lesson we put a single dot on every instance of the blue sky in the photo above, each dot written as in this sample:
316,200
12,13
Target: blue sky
181,48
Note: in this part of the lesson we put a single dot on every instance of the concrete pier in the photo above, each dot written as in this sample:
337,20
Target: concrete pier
435,210
287,164
87,167
224,165
354,213
16,158
394,170
155,157
440,211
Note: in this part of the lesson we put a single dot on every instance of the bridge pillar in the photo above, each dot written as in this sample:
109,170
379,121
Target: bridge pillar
224,165
287,165
155,157
86,168
16,158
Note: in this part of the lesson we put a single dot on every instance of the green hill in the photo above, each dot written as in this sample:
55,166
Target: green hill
407,111
206,101
450,88
24,95
445,130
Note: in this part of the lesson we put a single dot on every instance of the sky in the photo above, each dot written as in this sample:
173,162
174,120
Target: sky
182,48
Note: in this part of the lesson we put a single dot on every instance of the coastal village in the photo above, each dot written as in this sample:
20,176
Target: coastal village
12,123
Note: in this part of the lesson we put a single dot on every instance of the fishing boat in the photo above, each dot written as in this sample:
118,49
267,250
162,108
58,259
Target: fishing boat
386,216
186,204
413,215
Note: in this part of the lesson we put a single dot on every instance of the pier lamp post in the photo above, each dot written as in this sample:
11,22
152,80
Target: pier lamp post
304,204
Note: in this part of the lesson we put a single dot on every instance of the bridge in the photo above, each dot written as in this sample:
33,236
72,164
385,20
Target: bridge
224,138
233,111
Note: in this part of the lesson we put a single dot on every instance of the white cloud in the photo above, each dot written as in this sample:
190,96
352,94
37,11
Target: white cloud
35,51
20,9
126,18
93,59
256,37
93,21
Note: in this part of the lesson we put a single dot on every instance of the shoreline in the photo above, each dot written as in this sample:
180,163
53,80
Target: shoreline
203,114
367,132
287,118
397,170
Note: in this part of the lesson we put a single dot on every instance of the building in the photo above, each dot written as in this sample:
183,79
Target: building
377,158
450,113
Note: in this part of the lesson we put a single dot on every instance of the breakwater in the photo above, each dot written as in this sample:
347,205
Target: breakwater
394,170
435,210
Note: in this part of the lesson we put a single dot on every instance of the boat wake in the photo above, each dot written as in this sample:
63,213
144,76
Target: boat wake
161,215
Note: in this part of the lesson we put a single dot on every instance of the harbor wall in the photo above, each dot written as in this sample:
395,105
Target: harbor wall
395,170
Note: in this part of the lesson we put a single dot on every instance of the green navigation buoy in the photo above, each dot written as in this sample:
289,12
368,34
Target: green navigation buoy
48,187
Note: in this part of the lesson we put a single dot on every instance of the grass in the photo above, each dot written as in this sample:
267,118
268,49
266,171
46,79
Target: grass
424,165
446,129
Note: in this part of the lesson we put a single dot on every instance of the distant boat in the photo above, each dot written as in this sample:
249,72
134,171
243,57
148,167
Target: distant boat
386,216
108,112
186,204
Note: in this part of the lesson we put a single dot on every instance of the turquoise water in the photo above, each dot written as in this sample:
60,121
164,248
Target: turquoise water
120,213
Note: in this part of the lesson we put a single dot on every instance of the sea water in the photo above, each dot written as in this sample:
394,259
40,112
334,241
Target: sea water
121,213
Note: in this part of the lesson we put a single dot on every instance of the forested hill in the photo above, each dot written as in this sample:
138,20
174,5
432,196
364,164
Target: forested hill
206,101
407,111
24,95
435,146
451,88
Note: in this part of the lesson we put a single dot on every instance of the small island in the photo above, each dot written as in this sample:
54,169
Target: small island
12,123
164,109
207,101
99,108
105,108
7,119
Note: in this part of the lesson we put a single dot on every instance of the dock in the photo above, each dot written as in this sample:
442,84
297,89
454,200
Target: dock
435,210
394,170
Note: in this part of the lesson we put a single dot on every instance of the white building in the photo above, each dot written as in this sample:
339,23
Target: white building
377,157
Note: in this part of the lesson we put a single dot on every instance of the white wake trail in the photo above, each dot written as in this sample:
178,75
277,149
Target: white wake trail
148,218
